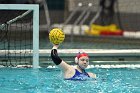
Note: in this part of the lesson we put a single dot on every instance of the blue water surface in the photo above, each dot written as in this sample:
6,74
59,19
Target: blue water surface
49,80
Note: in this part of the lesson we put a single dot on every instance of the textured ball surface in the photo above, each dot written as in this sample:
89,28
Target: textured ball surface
56,36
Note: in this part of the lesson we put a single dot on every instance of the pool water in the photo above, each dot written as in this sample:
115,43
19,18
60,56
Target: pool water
49,80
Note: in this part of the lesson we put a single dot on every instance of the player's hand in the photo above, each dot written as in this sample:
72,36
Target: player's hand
55,46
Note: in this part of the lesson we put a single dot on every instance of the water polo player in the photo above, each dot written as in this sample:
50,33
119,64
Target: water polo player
71,72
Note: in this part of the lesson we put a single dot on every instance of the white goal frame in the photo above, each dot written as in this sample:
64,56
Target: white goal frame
35,9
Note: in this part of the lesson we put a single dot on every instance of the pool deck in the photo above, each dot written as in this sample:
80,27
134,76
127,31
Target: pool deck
97,56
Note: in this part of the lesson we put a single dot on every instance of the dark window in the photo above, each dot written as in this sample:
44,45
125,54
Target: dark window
55,4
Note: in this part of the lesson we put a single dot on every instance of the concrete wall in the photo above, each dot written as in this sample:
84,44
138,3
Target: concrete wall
127,6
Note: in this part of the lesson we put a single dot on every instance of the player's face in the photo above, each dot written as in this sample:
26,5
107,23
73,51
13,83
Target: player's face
84,62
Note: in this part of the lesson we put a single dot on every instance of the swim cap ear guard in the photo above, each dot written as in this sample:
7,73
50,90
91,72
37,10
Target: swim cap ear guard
76,60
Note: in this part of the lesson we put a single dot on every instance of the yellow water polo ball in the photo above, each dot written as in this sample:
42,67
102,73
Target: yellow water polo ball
56,36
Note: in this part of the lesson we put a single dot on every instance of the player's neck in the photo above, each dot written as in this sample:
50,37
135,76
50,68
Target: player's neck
80,69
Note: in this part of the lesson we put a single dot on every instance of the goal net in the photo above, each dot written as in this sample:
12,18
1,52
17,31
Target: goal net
19,35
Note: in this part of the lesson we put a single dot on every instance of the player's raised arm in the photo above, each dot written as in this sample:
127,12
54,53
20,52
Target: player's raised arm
56,37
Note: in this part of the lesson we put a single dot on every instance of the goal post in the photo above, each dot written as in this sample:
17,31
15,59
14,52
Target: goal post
35,26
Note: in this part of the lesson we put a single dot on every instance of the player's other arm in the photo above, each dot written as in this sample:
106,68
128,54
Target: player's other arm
92,75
